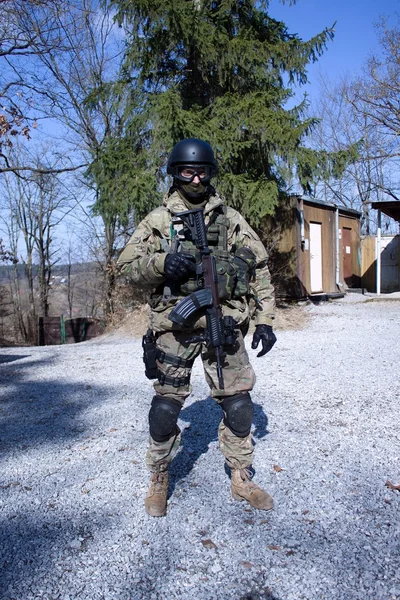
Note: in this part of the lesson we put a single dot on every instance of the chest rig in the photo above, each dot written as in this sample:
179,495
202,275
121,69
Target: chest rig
234,266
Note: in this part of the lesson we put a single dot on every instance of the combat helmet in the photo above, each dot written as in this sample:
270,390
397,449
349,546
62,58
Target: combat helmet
192,152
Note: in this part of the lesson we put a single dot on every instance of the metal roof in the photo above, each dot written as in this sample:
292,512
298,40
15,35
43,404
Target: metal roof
342,209
390,208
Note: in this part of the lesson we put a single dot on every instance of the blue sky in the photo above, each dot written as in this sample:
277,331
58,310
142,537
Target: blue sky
355,36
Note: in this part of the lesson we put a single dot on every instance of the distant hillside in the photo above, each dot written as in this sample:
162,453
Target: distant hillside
62,270
82,296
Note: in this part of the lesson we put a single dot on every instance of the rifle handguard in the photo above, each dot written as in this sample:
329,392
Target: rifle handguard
189,305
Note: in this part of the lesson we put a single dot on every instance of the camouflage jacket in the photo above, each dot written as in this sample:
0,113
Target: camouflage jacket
143,258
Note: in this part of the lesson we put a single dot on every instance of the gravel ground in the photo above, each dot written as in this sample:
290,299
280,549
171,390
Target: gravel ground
327,429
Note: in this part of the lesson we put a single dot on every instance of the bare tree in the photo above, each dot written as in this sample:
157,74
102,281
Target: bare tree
375,98
17,222
6,257
366,178
74,82
32,211
376,93
47,204
20,23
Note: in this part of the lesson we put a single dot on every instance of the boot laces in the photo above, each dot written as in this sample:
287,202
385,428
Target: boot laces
246,476
158,483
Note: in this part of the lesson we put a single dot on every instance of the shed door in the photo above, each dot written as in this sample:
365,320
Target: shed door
347,256
316,257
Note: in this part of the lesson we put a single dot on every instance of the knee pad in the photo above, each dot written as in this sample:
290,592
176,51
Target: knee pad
238,414
163,417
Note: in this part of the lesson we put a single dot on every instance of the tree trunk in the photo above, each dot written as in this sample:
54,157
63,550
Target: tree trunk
109,270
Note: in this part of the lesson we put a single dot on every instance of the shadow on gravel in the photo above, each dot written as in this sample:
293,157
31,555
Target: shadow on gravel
263,595
39,412
34,545
35,414
7,358
204,417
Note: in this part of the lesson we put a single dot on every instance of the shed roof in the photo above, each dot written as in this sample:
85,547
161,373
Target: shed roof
342,209
390,208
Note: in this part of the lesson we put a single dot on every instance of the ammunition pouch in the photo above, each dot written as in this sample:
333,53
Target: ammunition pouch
234,273
226,274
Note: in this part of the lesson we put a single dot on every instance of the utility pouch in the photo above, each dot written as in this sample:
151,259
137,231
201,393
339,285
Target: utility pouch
150,354
245,261
226,274
193,282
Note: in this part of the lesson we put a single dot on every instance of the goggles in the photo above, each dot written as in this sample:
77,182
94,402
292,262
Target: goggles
187,173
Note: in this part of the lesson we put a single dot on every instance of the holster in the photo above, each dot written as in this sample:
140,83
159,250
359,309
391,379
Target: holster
149,354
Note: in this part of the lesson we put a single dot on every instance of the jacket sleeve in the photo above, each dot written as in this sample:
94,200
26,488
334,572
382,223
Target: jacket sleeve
262,289
143,257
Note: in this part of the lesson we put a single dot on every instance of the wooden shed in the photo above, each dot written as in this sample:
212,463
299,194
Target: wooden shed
314,248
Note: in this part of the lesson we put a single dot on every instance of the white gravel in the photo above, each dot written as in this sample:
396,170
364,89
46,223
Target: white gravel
73,480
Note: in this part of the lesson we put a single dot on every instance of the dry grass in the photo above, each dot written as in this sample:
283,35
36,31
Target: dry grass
133,324
292,317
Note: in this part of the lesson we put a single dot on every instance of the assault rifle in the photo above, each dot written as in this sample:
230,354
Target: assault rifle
220,330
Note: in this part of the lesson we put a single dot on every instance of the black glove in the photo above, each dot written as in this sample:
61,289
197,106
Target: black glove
267,337
178,266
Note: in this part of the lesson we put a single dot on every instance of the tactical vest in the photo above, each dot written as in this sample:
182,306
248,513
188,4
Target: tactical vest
235,267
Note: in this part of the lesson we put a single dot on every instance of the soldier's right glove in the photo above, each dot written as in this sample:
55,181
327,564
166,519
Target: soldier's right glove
178,266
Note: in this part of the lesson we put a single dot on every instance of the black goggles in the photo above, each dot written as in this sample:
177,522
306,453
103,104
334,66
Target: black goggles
187,173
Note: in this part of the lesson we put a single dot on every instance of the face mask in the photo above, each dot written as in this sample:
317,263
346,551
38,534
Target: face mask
194,191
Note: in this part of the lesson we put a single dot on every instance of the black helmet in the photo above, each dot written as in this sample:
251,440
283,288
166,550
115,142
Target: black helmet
191,152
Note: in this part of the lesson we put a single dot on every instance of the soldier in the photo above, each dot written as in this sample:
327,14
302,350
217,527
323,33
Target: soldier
161,257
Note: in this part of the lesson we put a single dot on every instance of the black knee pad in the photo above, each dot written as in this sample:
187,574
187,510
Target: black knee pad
238,414
163,416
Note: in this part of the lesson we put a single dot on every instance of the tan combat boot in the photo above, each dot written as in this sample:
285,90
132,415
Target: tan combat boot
244,489
156,498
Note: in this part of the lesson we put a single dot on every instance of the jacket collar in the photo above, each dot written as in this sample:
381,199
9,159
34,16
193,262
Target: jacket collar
175,204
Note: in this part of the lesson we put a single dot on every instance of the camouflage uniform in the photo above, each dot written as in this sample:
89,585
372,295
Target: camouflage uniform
142,260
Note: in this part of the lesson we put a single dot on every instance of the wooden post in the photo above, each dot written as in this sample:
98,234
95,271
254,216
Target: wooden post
62,325
378,254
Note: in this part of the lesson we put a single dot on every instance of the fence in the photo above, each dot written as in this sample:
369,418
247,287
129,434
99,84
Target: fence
57,330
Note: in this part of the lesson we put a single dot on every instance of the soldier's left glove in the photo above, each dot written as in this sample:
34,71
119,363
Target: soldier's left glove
266,336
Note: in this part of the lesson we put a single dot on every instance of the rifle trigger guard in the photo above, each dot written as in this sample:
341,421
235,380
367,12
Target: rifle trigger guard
197,338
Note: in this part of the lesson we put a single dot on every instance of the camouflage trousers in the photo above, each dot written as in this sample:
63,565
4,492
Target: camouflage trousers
238,376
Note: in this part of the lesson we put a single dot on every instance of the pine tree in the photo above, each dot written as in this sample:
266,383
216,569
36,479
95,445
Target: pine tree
223,71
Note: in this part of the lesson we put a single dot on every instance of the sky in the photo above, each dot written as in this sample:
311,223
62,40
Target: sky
355,35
